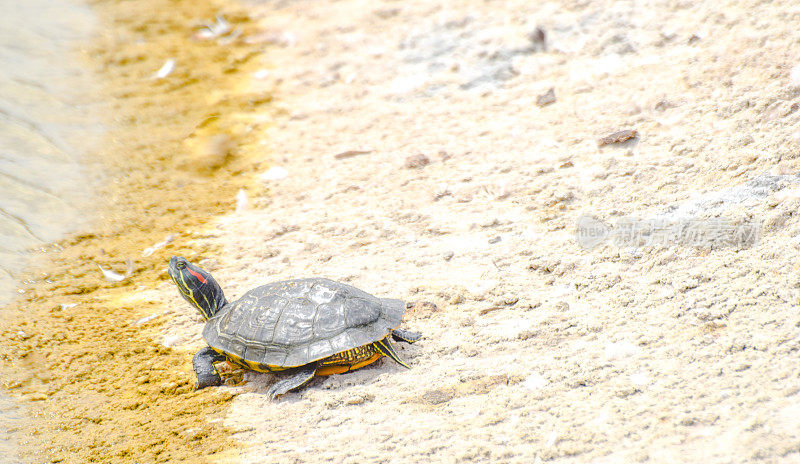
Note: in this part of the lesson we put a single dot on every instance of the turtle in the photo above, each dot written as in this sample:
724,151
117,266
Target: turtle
307,327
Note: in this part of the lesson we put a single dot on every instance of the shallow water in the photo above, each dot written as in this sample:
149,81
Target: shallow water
45,127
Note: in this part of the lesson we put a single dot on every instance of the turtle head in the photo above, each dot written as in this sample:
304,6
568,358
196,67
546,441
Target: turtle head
197,286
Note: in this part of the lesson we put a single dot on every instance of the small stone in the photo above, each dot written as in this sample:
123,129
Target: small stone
618,137
448,255
538,39
546,98
510,300
485,311
494,240
417,161
443,191
351,153
463,197
664,105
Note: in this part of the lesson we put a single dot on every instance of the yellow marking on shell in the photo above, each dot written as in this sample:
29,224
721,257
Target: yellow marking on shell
351,356
251,365
342,368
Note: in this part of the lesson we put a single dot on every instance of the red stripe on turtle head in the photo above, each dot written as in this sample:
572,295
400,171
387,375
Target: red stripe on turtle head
197,274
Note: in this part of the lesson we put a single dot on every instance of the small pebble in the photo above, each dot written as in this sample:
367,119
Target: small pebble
538,39
546,98
510,300
618,137
351,153
417,161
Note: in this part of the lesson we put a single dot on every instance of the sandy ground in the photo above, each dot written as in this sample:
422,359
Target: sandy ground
468,196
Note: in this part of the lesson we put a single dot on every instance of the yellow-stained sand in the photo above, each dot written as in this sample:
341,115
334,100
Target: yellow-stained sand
100,387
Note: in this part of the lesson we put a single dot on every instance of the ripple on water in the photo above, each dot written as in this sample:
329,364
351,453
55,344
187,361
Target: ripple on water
45,127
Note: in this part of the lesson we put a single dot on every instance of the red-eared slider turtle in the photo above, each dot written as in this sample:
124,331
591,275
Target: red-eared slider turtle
309,326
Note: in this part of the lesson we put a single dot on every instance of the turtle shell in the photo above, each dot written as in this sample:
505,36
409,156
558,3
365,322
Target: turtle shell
295,322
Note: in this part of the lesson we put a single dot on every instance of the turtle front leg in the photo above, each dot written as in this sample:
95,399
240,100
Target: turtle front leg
300,377
203,363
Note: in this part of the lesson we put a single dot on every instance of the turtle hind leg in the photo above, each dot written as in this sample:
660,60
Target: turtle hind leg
400,335
299,377
203,363
385,348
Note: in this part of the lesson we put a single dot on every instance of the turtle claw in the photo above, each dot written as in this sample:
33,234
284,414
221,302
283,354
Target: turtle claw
212,380
300,377
276,391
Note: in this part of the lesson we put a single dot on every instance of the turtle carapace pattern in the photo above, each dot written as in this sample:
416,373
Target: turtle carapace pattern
310,327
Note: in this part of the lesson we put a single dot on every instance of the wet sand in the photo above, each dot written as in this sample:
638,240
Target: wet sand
97,385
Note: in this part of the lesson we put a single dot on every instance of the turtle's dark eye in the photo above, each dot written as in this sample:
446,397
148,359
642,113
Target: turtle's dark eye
181,265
